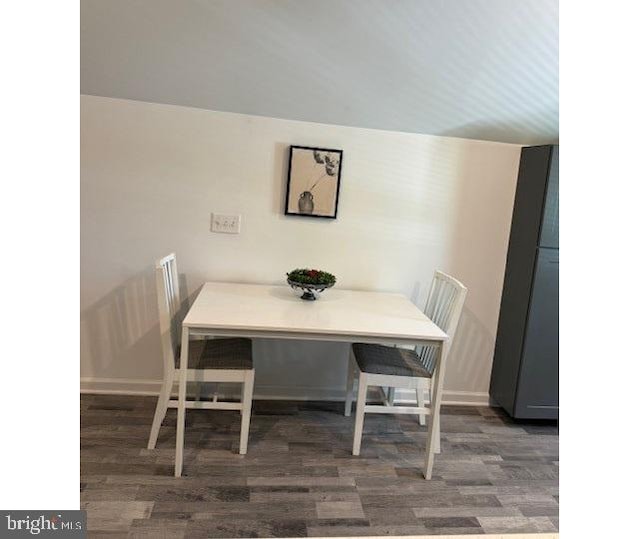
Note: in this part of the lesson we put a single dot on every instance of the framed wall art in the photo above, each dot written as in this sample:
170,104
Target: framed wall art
313,183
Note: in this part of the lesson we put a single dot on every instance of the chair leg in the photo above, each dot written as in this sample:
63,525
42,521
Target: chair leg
360,404
420,398
391,396
348,398
436,430
161,411
247,398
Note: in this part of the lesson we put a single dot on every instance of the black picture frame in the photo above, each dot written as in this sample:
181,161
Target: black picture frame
300,206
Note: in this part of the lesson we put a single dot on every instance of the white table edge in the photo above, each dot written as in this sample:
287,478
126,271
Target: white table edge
349,337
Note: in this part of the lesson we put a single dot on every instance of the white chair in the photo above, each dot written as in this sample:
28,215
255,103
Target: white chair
212,360
397,367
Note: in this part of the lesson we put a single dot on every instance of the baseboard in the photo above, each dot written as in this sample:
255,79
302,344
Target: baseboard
125,386
120,386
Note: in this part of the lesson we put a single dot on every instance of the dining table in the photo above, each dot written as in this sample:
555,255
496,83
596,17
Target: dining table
277,312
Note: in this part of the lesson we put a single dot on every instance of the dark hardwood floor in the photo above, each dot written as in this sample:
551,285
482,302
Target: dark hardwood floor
299,478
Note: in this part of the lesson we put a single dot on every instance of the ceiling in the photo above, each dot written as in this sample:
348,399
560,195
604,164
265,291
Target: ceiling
483,69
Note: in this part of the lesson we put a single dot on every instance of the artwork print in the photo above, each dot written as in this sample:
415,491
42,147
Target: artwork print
314,182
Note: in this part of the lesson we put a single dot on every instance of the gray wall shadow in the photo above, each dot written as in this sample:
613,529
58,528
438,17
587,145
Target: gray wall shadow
120,330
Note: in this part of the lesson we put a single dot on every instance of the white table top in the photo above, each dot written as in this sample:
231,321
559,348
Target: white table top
277,311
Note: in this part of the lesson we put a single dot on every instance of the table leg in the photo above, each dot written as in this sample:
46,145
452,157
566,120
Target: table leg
434,423
360,404
182,398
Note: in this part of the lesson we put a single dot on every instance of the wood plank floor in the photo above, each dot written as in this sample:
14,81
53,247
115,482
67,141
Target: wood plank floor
299,478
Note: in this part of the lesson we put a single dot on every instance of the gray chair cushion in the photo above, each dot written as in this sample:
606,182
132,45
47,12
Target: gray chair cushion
232,353
379,359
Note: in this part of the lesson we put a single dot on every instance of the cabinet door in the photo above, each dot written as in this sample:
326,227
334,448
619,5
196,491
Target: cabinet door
537,394
550,220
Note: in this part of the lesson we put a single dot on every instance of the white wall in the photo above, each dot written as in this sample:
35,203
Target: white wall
152,174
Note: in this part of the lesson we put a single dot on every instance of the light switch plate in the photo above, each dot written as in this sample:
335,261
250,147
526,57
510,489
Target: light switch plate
227,224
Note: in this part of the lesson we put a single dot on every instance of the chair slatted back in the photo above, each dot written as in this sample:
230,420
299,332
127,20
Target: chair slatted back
169,304
444,307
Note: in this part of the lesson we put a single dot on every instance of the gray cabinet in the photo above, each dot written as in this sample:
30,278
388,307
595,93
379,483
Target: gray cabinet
524,379
537,394
549,233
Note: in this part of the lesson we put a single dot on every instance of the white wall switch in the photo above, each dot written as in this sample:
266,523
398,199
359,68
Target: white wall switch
227,224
